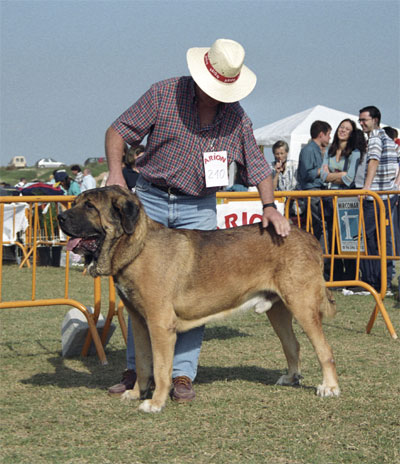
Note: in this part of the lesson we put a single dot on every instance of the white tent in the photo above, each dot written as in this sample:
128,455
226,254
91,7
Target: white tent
295,129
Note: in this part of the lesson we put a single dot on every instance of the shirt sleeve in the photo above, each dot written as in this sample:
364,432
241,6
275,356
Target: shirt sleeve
255,168
354,161
136,122
75,189
307,172
325,162
374,146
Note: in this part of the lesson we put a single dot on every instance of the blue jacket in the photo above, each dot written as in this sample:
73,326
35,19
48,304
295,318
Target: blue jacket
310,160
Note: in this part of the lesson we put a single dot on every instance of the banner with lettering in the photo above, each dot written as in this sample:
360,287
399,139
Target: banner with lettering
238,213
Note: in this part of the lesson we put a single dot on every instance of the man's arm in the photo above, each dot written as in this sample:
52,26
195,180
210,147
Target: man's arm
371,171
397,180
307,169
114,151
270,214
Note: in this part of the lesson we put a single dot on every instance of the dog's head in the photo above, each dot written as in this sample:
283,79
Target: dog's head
95,222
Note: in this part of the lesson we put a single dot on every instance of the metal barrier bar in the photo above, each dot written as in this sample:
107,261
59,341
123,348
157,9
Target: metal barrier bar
34,240
294,196
381,232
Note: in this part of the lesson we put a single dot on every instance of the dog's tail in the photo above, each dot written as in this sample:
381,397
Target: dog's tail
328,305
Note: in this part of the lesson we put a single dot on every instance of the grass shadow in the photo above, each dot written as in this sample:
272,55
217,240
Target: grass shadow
222,333
96,376
102,377
253,374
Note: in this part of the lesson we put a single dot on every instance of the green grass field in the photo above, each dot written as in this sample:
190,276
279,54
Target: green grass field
57,410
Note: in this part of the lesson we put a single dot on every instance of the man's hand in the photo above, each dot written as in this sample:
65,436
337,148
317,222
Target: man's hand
270,214
280,223
279,166
116,179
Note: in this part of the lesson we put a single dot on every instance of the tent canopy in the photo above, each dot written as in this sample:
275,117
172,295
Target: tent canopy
295,129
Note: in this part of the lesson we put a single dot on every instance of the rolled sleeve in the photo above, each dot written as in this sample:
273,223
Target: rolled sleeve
136,122
374,146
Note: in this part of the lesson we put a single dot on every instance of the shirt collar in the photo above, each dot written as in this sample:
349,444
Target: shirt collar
222,107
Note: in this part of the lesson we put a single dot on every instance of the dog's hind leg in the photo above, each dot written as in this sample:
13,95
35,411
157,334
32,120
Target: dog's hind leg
281,321
163,339
307,313
143,356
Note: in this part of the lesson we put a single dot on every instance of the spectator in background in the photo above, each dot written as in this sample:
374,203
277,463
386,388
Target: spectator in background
76,171
69,186
284,170
341,160
338,171
130,171
88,182
382,174
52,177
391,132
21,183
309,169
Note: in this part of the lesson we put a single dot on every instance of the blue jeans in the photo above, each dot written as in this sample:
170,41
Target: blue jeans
176,212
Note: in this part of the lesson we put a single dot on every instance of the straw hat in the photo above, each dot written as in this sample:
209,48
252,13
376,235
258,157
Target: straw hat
219,71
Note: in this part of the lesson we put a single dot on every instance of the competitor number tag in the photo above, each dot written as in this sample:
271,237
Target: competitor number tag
216,168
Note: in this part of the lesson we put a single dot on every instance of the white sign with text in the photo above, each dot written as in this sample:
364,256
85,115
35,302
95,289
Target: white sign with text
216,168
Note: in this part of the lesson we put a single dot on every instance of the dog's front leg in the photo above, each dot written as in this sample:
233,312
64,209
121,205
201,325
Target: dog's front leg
163,340
143,358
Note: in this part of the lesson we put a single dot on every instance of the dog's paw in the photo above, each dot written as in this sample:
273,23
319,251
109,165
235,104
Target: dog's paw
291,380
148,406
324,391
129,395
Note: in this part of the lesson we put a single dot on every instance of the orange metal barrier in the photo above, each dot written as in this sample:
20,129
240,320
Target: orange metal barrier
39,234
46,233
329,251
13,238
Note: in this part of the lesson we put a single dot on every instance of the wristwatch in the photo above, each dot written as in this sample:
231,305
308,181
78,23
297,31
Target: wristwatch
267,205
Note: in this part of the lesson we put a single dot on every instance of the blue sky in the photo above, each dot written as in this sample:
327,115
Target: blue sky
69,68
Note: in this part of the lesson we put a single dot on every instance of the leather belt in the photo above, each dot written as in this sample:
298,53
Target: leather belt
169,190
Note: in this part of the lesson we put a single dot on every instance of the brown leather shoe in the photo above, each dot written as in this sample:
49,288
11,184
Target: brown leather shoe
182,390
127,383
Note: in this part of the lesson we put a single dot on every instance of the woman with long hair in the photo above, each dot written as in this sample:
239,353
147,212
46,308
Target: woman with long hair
338,170
342,158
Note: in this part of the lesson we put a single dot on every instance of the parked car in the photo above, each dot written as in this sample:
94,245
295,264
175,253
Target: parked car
18,162
94,160
49,163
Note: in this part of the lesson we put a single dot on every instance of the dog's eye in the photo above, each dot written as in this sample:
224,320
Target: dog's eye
89,205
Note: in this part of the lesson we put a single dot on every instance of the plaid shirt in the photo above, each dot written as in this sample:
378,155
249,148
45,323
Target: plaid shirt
382,148
168,114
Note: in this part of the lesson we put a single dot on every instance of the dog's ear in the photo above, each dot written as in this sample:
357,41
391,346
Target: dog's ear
128,212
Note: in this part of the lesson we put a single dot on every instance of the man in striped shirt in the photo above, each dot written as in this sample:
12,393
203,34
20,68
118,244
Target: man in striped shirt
382,174
190,121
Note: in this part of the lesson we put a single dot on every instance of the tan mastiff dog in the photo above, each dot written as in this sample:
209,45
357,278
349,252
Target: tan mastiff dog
172,280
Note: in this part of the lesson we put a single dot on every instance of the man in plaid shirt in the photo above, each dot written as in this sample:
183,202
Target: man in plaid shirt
382,174
189,122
